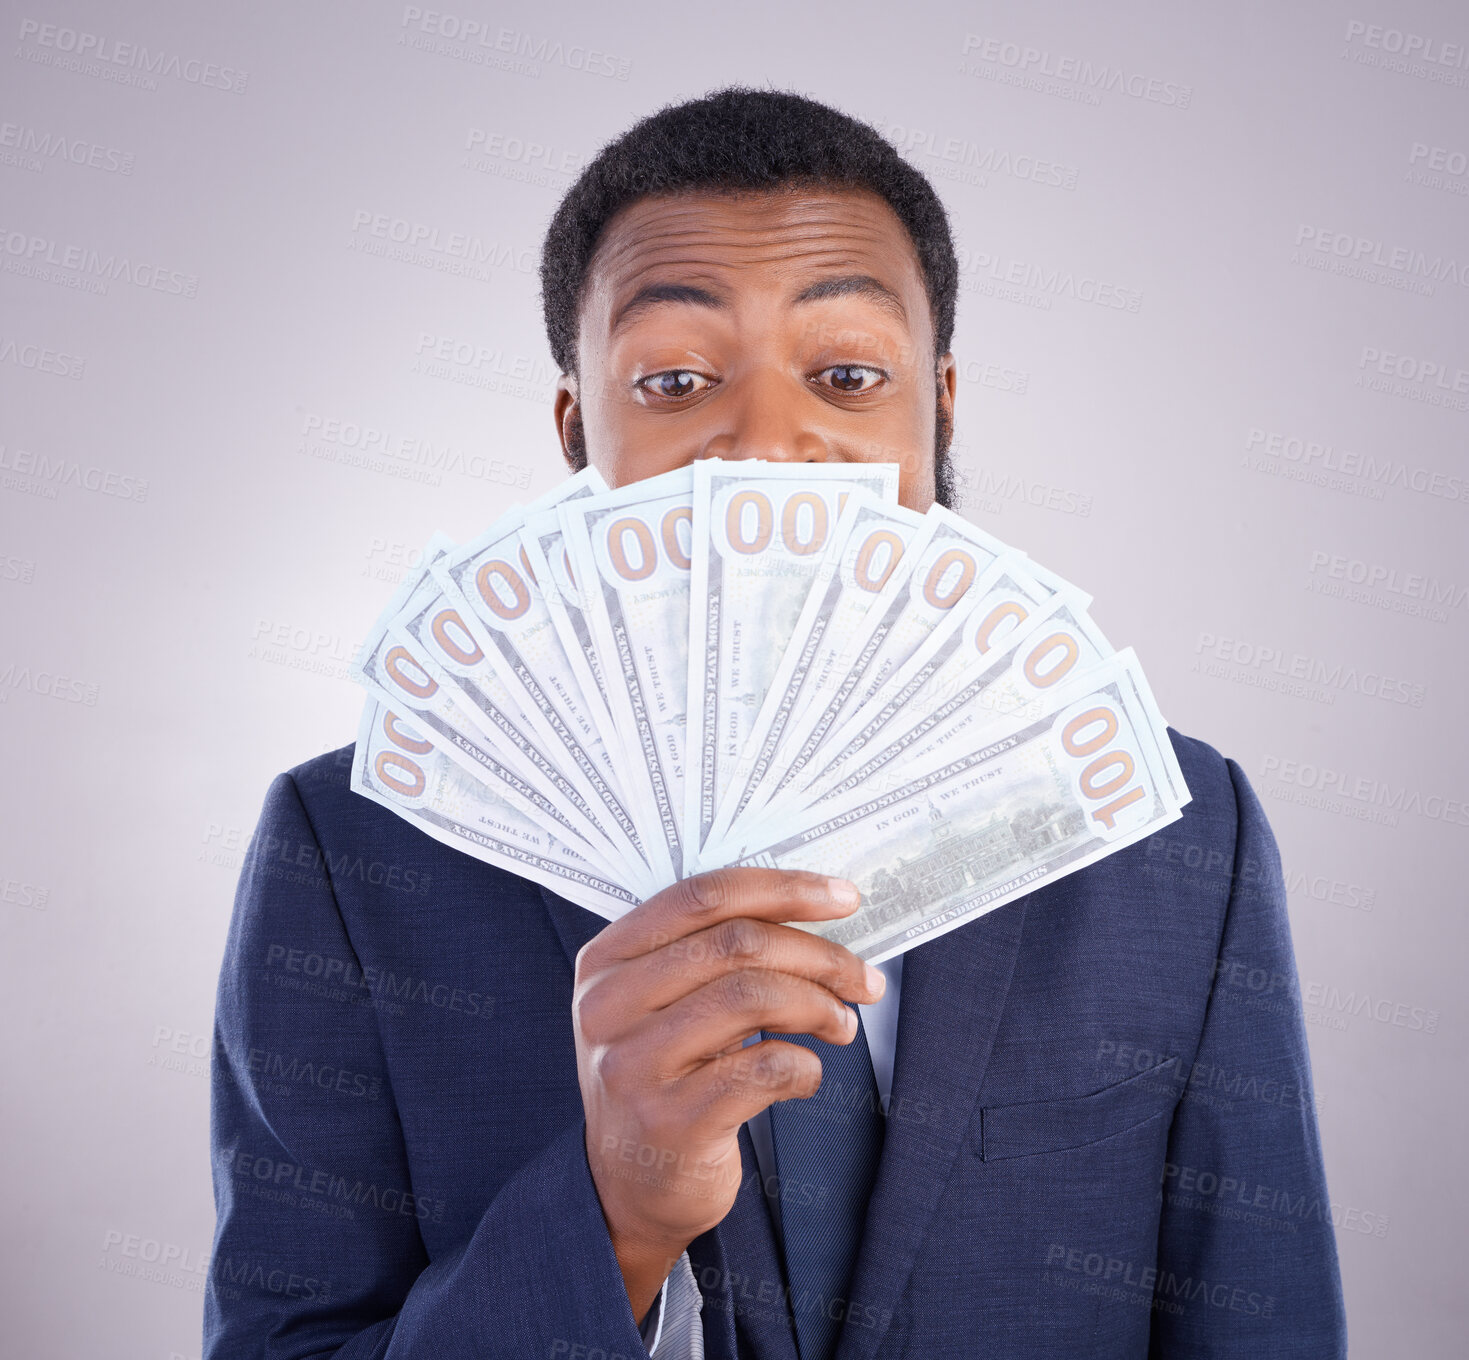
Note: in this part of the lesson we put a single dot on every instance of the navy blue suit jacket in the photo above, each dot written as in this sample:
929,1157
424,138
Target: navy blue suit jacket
1101,1139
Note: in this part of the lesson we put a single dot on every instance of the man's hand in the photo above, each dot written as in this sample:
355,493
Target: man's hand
664,999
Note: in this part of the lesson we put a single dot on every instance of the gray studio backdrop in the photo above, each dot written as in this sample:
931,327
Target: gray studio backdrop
268,317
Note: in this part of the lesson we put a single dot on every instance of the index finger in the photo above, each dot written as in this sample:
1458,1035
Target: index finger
704,900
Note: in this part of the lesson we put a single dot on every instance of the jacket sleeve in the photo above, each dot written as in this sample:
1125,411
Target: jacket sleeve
1247,1263
317,1250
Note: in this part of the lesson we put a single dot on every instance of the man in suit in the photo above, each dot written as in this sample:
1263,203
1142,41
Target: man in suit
456,1115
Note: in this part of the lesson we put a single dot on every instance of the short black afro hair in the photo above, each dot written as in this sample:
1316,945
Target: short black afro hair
739,138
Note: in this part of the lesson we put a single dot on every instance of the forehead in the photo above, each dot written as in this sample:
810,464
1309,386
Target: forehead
753,242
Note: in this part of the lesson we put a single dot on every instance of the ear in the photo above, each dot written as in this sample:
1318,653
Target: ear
947,372
567,414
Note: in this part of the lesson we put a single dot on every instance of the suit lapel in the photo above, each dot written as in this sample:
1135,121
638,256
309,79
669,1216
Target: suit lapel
736,1263
953,994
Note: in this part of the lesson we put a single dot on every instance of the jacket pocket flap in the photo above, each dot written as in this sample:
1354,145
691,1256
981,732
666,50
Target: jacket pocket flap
1055,1125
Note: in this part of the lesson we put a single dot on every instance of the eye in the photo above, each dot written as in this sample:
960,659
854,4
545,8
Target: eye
672,384
854,378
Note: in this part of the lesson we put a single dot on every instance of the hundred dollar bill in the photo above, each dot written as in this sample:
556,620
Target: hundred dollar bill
493,585
394,672
962,837
544,543
761,533
435,633
956,698
979,690
396,766
543,540
629,552
866,548
930,588
480,728
995,607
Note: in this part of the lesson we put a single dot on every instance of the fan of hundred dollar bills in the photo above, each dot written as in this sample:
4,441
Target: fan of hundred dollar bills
744,662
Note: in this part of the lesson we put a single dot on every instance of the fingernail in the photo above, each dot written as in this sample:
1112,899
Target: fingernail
877,980
843,892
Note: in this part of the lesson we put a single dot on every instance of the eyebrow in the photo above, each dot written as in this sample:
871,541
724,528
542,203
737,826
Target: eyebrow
855,285
842,285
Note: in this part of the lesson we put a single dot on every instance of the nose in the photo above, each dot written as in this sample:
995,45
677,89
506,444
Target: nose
768,414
